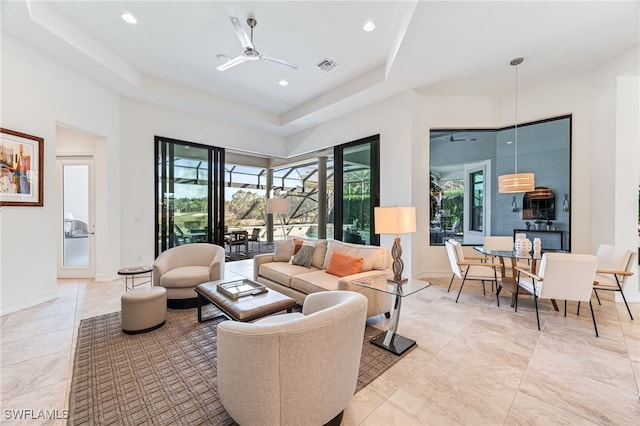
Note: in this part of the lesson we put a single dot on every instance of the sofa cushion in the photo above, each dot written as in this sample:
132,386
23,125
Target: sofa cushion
374,257
284,251
303,256
281,272
319,252
341,264
315,281
185,276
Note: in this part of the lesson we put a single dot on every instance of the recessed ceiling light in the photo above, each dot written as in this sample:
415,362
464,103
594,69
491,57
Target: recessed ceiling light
369,26
127,17
283,83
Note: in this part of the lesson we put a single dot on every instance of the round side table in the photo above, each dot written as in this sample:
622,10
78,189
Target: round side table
130,274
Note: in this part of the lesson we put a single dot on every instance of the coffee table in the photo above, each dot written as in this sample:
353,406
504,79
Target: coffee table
246,308
389,339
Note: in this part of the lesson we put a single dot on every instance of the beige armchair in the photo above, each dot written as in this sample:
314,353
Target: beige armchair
293,369
180,269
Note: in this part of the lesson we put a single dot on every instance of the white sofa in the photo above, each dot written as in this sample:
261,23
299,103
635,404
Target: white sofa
297,281
293,369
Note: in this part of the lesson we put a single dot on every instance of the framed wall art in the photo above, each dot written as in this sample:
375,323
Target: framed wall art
21,174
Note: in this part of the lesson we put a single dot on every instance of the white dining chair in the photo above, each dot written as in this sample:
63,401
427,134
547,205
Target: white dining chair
474,269
561,276
614,267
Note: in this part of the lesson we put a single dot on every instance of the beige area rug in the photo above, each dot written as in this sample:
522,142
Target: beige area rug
166,376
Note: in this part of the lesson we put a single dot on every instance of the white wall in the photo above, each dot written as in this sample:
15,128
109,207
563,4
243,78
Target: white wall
37,94
141,122
627,174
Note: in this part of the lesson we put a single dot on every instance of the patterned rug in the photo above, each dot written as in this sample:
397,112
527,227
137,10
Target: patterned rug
166,376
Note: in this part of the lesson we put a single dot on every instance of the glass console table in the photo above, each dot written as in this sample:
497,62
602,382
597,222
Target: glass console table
389,339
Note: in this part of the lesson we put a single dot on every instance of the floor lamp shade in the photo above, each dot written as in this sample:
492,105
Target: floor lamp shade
278,205
395,221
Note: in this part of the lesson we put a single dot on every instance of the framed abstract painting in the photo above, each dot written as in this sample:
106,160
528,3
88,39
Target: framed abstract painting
21,174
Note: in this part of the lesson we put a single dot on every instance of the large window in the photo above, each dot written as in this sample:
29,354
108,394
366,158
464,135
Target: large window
189,196
245,197
357,183
300,184
476,157
477,201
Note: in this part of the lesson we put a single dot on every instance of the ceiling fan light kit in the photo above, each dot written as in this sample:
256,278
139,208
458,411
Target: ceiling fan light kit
516,182
250,53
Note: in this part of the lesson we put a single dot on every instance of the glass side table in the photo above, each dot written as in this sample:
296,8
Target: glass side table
389,339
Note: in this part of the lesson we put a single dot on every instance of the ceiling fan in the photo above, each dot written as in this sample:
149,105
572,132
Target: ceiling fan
452,139
250,53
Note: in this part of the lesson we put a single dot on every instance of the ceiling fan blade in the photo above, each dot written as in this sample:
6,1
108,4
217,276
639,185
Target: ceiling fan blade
245,41
232,63
279,61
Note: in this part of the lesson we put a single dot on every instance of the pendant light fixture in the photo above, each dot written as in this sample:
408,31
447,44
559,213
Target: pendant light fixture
516,182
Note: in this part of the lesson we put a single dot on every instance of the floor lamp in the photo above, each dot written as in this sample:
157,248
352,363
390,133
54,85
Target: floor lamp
279,206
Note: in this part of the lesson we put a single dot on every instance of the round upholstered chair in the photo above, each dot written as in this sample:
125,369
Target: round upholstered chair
293,369
180,269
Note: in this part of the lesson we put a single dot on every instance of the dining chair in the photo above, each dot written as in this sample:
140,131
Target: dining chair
614,267
255,237
561,276
471,268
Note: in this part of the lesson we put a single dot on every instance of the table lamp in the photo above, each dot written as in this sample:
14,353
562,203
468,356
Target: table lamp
395,221
278,206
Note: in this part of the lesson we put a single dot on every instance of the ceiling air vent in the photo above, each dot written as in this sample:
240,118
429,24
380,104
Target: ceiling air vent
326,65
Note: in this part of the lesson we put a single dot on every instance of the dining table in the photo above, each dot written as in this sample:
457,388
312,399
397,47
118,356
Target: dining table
510,282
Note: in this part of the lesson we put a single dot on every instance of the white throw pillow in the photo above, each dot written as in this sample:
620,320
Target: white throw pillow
284,251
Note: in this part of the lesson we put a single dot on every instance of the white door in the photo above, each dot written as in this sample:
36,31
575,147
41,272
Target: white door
76,252
477,201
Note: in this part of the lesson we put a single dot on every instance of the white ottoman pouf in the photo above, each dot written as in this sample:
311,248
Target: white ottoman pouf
143,309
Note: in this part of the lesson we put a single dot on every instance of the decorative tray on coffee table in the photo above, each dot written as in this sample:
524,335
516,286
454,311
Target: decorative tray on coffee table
241,288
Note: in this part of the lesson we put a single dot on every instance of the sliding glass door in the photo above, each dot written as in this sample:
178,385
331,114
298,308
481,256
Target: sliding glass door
357,190
189,193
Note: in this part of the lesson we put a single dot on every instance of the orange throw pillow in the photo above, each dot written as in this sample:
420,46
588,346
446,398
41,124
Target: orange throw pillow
297,245
342,265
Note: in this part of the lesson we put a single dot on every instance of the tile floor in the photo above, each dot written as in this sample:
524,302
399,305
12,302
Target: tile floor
475,364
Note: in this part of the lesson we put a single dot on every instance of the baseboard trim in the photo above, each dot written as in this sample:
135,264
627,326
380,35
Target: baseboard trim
14,307
101,278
